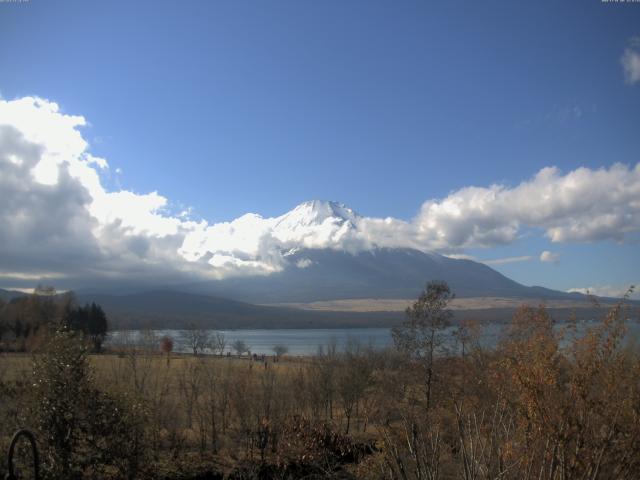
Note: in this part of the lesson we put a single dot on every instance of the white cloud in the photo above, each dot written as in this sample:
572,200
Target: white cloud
582,205
62,149
549,257
34,276
99,162
21,289
58,218
631,61
607,291
304,263
461,256
504,261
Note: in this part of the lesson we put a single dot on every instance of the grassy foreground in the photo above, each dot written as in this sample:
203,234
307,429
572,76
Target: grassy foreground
544,404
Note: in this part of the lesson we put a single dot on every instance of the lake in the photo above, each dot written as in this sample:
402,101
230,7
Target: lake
307,341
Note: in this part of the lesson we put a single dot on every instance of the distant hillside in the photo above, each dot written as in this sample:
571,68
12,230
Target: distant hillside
7,295
172,309
386,273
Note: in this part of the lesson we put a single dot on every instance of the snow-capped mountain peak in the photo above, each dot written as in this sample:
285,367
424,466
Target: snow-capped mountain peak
316,213
315,224
256,244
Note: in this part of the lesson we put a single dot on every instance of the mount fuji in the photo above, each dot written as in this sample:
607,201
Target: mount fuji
324,270
324,252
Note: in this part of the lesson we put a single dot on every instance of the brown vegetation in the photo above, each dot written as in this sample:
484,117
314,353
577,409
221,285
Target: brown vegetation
546,403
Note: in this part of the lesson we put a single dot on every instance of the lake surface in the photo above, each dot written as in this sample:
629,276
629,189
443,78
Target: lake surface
308,341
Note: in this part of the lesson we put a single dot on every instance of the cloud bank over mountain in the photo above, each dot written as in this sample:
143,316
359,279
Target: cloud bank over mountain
59,221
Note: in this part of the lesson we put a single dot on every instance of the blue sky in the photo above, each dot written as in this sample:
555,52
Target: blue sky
235,107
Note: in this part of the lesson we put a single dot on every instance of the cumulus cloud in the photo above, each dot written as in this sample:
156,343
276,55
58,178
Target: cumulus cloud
631,61
57,219
549,257
60,222
304,263
582,205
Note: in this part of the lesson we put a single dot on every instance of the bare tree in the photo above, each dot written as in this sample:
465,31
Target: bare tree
146,340
280,350
218,343
190,379
212,407
324,373
240,347
421,335
354,377
197,339
139,357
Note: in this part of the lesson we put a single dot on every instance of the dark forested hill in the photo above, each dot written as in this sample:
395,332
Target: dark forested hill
7,295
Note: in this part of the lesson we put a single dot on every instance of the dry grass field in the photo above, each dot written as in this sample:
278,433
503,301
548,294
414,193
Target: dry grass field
14,366
471,303
542,400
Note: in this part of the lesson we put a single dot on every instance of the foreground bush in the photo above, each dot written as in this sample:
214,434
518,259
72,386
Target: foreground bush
84,432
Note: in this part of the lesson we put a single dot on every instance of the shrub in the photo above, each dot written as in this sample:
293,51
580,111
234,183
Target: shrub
84,432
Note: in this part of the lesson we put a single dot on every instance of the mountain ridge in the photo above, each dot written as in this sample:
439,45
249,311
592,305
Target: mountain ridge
161,308
167,309
331,274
